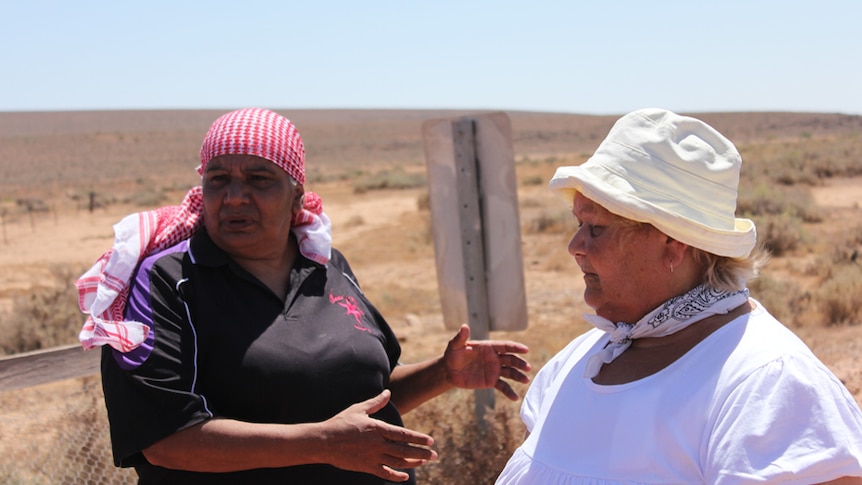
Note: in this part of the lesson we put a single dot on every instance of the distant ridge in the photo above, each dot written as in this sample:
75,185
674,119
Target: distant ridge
71,148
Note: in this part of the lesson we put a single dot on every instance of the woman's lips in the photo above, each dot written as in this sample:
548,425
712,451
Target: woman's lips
589,275
237,222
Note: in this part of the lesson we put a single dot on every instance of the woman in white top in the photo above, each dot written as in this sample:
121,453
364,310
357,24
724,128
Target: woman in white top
686,379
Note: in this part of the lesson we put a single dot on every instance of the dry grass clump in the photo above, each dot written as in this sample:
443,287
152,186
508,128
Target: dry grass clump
550,222
469,452
48,317
769,199
785,299
833,295
780,233
840,295
318,175
779,213
804,161
396,178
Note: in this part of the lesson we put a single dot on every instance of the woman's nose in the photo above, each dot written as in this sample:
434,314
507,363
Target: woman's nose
234,192
576,245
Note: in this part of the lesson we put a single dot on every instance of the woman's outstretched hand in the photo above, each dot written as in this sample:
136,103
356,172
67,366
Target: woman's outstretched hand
361,443
479,364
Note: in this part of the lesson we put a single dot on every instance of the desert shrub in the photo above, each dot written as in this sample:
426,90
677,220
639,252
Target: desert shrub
469,452
32,205
555,222
530,203
396,178
764,199
840,296
146,197
782,297
318,175
48,317
779,213
804,161
846,251
532,180
780,233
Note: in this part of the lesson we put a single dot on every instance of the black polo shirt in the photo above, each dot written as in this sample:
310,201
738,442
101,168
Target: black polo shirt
223,344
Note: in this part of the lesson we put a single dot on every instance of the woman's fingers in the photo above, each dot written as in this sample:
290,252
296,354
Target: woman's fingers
398,435
511,367
376,403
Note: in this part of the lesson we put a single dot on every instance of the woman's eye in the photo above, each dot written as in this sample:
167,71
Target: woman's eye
259,180
593,229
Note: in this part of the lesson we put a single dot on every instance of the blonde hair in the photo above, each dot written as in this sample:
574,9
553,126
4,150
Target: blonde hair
731,274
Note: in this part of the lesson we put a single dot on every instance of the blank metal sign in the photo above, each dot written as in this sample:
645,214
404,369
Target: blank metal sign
492,187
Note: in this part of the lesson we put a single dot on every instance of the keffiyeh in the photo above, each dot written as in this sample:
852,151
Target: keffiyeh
671,317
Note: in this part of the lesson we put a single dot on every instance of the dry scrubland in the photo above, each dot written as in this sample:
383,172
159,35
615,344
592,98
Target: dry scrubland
802,183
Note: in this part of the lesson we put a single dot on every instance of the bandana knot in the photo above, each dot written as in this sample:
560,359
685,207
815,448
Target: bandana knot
670,317
622,333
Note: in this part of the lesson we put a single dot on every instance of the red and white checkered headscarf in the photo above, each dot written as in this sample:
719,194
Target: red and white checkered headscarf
259,132
103,290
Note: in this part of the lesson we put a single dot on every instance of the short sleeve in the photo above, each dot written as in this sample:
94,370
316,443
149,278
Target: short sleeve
150,392
789,421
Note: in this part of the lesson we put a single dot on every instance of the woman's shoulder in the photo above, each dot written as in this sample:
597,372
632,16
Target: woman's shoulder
339,262
769,338
759,344
168,260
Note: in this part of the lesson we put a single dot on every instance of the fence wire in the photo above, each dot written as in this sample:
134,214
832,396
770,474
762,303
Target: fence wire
57,434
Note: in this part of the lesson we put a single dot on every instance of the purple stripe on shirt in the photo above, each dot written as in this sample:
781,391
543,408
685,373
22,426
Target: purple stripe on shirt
139,308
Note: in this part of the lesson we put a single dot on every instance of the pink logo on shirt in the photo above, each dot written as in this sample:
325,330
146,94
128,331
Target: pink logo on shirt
352,309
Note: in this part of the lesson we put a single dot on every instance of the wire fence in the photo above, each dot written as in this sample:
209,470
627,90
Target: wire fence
57,433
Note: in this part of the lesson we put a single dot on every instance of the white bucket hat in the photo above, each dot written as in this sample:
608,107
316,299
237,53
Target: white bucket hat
674,172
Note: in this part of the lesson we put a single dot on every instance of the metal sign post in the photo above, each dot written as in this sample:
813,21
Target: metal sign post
472,244
477,235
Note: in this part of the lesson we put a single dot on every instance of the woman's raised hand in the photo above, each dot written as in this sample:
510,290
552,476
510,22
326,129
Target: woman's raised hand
479,364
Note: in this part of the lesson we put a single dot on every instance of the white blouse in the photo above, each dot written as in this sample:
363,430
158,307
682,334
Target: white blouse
749,403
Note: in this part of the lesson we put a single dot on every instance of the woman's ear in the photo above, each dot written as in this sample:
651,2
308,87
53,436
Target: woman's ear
674,253
298,198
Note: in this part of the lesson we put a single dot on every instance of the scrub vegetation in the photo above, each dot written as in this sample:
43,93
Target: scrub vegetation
801,184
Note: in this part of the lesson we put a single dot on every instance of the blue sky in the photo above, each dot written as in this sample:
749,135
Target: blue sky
595,57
